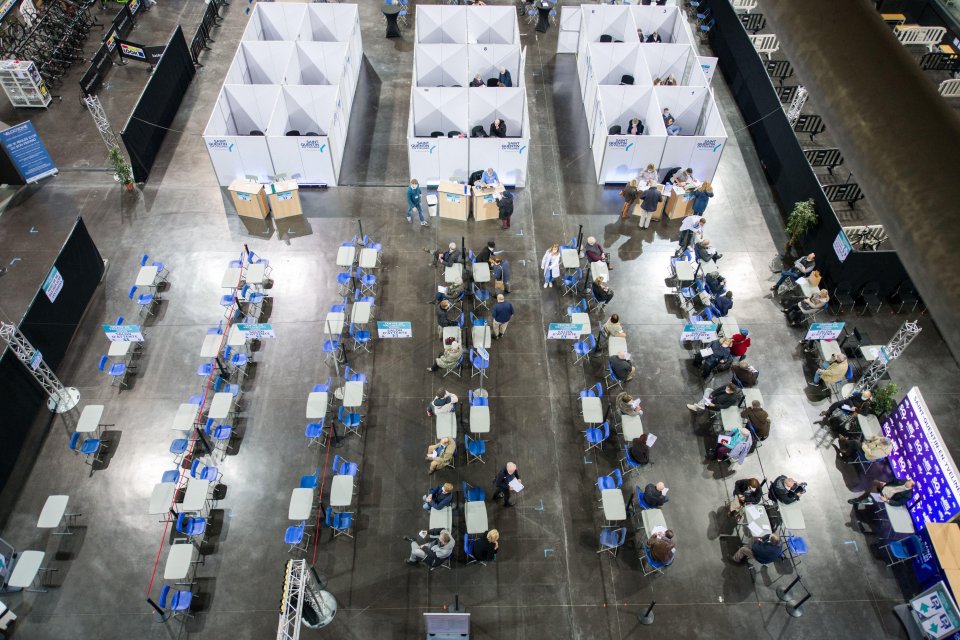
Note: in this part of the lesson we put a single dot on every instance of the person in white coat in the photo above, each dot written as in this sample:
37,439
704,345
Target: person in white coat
550,265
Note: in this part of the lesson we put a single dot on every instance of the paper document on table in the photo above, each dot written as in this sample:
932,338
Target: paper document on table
847,408
651,439
753,512
432,455
706,353
658,531
515,485
757,530
665,490
442,290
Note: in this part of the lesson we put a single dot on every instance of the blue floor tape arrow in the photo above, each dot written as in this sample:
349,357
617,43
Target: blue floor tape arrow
587,460
547,552
854,543
540,508
34,229
15,261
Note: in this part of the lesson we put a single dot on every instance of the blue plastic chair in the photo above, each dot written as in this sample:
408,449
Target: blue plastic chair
361,338
314,432
310,482
222,386
367,281
571,281
205,369
475,447
613,480
612,539
468,550
628,464
322,387
596,391
611,379
350,421
341,307
583,348
342,467
179,447
480,297
191,526
580,307
478,364
340,522
902,550
358,297
89,448
221,435
210,474
477,401
595,437
649,565
472,493
117,371
178,603
638,496
295,536
798,546
351,375
253,258
171,475
227,301
330,347
344,282
476,321
145,300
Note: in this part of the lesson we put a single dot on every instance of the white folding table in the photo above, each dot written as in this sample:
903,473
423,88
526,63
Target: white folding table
828,348
179,559
652,518
195,497
345,256
316,405
729,325
341,491
236,337
54,511
730,418
368,258
807,288
481,336
441,518
352,394
161,498
569,259
301,504
756,522
360,313
119,349
220,405
900,520
592,409
333,324
89,420
451,332
453,273
479,419
631,426
256,274
186,416
28,566
685,270
750,394
869,425
614,508
147,276
599,269
211,345
791,515
446,425
584,320
231,277
615,345
481,272
475,513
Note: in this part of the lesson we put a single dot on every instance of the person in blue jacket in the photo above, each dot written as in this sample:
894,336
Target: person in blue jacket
413,202
438,497
701,198
505,79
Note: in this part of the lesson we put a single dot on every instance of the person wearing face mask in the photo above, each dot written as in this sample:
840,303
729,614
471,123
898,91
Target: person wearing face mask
413,202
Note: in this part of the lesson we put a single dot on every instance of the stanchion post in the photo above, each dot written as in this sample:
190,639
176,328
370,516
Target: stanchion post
160,612
360,237
794,609
647,616
782,593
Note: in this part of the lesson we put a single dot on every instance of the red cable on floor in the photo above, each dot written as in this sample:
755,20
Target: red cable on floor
323,481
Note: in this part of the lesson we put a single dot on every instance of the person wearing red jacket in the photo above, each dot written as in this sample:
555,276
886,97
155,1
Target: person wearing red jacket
741,342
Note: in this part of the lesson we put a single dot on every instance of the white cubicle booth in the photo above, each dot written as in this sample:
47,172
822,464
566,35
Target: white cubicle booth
703,136
316,63
438,110
677,60
613,64
486,59
611,20
507,155
668,22
260,62
235,135
620,158
275,21
441,65
492,25
306,134
441,24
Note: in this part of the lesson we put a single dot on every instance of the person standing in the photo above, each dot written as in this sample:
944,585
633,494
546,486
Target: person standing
505,476
740,343
629,195
413,202
649,201
505,208
550,265
501,274
501,314
701,198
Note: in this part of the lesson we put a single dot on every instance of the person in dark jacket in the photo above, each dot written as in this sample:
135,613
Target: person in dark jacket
601,290
438,497
857,403
786,490
764,550
655,495
745,373
621,366
720,356
722,304
505,209
629,195
650,199
477,81
504,78
654,37
745,491
719,398
498,129
661,547
486,546
502,483
639,450
634,127
593,251
413,202
444,258
896,493
443,315
500,270
706,253
758,418
487,252
701,198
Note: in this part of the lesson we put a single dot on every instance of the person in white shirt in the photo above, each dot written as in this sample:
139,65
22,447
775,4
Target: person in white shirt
691,230
550,265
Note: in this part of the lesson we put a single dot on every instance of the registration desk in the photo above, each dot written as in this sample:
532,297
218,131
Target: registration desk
945,538
679,204
485,202
454,200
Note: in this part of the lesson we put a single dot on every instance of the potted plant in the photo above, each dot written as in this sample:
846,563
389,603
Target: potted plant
803,218
885,400
122,171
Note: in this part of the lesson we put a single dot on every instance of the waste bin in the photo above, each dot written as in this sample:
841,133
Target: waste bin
432,204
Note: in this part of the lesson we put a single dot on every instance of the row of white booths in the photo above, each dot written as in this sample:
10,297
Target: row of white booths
453,45
285,104
610,53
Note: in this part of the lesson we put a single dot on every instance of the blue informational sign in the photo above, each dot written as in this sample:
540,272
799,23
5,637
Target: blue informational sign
26,151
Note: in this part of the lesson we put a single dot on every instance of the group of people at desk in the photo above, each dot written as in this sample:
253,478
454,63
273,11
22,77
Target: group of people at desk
502,80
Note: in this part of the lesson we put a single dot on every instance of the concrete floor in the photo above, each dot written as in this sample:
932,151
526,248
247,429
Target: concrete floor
548,580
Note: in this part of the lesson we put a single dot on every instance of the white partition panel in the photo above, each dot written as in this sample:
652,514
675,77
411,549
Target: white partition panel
701,142
569,36
275,21
260,62
507,103
624,156
434,159
240,111
507,155
316,63
441,23
441,65
301,133
677,60
328,22
486,59
439,110
611,20
662,20
611,62
492,25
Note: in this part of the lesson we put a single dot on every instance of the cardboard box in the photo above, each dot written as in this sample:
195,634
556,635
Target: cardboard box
678,206
284,199
249,199
454,200
485,202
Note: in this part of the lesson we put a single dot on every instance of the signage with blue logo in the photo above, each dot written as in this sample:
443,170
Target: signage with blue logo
564,331
824,331
123,332
53,285
26,151
394,329
702,331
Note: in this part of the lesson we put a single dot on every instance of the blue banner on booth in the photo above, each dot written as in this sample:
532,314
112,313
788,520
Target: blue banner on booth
25,149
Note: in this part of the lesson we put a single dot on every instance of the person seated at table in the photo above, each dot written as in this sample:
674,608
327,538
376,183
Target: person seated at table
443,314
802,267
786,490
654,37
807,307
649,175
814,278
498,129
433,553
873,448
486,546
745,373
441,454
681,178
635,127
490,250
661,547
832,371
720,398
443,402
757,417
669,81
444,258
715,283
655,495
640,36
593,251
639,450
691,231
896,493
504,78
601,290
621,366
477,81
858,403
733,445
490,176
610,328
745,491
438,497
720,356
763,550
706,253
722,304
452,292
671,124
450,357
627,405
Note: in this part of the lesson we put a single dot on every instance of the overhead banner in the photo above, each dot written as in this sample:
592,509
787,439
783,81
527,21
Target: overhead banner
123,332
702,331
141,53
824,331
27,152
394,329
564,331
257,331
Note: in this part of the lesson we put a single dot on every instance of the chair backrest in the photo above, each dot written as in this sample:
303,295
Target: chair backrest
598,390
103,363
329,514
119,319
467,545
617,477
950,88
337,464
143,260
606,430
164,595
74,441
194,466
133,292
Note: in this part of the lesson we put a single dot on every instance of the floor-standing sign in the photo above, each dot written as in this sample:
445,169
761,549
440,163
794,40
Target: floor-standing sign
27,153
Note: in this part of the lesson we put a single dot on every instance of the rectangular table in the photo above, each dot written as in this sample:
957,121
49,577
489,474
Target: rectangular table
54,509
316,405
614,508
221,405
360,313
256,274
195,496
615,345
481,272
161,498
481,336
807,288
441,518
333,324
827,349
341,491
450,332
756,515
792,515
453,273
582,319
599,269
685,270
730,418
729,325
119,349
368,258
345,256
871,352
900,520
652,519
25,570
631,426
186,416
211,345
446,424
301,504
569,259
869,426
89,420
475,513
592,409
352,394
231,278
479,419
147,276
179,559
750,394
236,337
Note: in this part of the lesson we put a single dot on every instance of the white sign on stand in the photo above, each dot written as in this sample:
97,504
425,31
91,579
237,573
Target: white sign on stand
702,331
123,332
564,331
483,354
842,246
53,284
394,329
257,331
824,331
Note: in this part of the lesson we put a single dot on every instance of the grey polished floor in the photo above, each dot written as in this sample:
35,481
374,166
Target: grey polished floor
548,580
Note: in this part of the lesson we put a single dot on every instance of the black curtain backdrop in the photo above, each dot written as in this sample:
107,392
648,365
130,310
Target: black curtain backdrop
49,326
787,169
158,104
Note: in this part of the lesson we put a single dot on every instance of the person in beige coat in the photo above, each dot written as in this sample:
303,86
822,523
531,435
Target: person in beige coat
831,372
441,454
873,448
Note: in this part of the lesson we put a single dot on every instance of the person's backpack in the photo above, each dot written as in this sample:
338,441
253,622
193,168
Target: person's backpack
478,132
